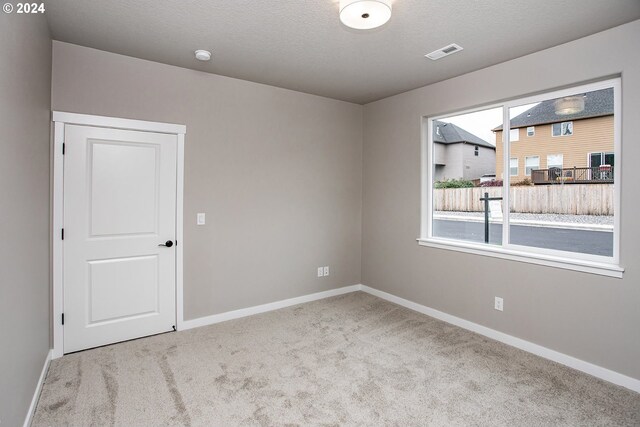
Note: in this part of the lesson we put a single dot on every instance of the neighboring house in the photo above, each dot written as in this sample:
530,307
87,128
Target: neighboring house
459,154
551,148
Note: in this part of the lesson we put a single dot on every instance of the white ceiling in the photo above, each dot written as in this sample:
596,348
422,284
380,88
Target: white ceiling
301,44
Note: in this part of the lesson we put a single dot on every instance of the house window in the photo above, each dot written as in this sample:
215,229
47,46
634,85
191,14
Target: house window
555,161
562,129
601,167
514,135
542,220
531,163
476,151
513,166
600,159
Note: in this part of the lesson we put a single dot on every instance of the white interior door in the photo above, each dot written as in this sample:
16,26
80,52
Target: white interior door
119,206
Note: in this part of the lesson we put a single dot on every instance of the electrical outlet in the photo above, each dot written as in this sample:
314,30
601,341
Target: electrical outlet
326,271
320,271
499,304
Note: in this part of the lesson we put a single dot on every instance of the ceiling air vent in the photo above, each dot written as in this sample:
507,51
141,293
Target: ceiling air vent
447,50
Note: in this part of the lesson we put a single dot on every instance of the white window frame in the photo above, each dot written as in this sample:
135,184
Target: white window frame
517,166
516,132
594,264
561,123
532,169
533,131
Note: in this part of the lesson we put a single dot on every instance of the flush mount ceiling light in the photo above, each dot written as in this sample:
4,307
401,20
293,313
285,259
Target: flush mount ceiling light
203,55
569,105
365,14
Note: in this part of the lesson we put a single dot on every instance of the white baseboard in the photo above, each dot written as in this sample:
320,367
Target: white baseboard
36,394
250,311
538,350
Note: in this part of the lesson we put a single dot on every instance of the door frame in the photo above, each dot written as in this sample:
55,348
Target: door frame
60,119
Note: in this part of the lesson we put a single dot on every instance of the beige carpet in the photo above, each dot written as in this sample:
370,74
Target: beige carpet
347,360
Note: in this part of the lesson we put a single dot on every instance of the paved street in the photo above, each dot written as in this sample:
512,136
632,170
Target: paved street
590,242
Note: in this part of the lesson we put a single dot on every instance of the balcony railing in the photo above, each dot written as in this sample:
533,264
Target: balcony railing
592,175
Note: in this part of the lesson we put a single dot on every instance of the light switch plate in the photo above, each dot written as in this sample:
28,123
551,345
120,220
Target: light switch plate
201,220
320,271
326,271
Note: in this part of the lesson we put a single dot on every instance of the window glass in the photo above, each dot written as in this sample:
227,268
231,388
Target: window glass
568,204
595,159
531,163
555,161
608,159
549,199
562,129
513,166
460,180
567,128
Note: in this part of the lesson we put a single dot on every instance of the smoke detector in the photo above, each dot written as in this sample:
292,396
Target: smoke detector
445,51
203,55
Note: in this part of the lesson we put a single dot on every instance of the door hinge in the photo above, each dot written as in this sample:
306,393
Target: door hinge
63,148
62,234
63,318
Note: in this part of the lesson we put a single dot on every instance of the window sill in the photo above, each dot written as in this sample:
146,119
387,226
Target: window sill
602,269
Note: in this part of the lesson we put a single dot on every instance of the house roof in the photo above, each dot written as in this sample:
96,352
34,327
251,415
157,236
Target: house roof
448,133
596,104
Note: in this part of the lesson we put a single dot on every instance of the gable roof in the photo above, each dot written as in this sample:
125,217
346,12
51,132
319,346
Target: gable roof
452,134
596,104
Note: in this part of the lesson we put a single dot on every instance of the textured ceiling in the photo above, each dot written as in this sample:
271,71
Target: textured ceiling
301,44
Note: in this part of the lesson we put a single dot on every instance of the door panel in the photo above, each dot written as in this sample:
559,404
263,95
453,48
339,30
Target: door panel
123,175
122,288
119,205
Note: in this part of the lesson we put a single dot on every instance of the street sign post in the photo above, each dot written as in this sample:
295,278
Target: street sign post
486,199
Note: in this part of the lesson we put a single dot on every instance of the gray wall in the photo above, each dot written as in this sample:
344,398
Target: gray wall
454,163
278,173
460,161
587,316
25,92
475,167
440,154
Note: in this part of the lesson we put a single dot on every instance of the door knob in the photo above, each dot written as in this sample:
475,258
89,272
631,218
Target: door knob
168,243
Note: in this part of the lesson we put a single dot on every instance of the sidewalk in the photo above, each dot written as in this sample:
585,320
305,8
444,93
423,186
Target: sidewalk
570,222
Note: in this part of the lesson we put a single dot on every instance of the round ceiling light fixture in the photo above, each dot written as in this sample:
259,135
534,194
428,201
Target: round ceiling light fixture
365,14
569,105
203,55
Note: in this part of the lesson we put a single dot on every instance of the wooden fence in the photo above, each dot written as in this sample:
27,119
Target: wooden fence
574,199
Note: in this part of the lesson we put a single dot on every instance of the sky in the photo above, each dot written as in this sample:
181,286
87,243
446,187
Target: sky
481,122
